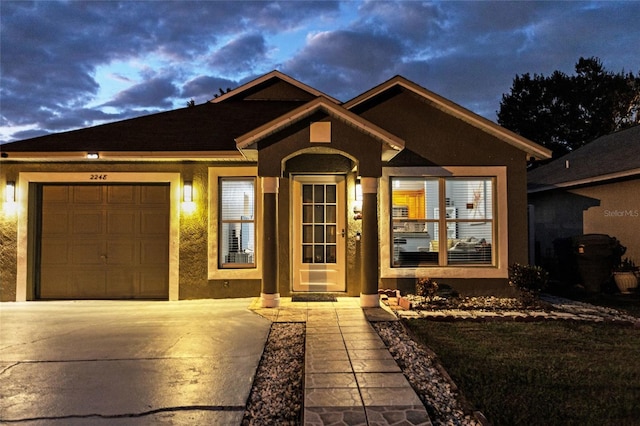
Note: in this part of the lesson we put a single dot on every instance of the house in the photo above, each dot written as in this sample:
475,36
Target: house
271,189
592,190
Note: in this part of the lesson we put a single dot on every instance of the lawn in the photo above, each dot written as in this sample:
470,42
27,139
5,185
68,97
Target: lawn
542,373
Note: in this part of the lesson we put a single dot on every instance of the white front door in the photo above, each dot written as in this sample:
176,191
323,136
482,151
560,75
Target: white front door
318,233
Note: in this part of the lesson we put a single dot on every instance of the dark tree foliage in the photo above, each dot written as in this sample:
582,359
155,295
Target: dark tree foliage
564,112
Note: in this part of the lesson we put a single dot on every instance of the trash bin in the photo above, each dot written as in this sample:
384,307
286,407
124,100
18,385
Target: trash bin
595,257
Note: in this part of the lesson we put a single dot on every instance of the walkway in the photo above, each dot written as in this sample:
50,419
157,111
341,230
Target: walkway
350,376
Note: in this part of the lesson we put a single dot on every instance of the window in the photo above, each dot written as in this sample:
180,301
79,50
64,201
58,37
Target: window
424,237
237,240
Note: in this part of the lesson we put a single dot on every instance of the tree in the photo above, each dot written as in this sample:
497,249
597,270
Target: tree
563,112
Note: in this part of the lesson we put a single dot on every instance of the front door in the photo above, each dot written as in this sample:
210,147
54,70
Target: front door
318,233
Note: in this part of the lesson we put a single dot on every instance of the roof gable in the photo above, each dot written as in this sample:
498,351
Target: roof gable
391,143
531,148
274,86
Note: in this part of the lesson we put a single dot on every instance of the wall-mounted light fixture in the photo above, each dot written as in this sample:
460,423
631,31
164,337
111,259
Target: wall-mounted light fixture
93,155
357,206
10,192
187,191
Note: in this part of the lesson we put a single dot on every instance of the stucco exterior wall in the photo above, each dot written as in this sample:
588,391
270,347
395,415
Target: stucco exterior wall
612,209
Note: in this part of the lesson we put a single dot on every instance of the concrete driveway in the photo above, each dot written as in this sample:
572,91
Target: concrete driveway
128,362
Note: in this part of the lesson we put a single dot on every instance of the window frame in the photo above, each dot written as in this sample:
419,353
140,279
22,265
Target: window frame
242,271
499,266
222,222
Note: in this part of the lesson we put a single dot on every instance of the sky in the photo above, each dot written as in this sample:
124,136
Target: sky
72,64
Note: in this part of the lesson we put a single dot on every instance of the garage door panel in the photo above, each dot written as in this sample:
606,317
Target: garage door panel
121,284
58,280
115,245
153,284
88,253
56,223
121,223
88,284
55,252
153,222
87,194
121,194
122,253
89,223
154,195
153,252
56,194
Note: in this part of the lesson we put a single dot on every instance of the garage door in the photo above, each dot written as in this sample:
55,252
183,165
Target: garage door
104,242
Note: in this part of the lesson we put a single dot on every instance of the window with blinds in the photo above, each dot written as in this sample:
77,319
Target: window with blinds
468,222
237,223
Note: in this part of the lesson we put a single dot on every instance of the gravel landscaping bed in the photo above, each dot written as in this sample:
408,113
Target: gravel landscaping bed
277,392
428,379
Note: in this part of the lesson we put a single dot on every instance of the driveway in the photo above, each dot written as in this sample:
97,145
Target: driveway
128,362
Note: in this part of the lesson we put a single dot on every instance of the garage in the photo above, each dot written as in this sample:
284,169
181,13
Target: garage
103,242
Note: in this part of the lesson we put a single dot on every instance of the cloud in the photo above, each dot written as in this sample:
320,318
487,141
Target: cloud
157,92
240,55
56,54
204,88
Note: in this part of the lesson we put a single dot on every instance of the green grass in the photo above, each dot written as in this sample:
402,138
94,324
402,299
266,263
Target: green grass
543,373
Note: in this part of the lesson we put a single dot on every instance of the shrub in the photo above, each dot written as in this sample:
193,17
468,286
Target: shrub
426,287
529,280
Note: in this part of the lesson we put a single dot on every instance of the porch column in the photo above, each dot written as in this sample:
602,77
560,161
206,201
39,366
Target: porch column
369,287
269,296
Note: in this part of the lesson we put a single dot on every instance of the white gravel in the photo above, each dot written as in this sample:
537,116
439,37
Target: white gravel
422,371
277,392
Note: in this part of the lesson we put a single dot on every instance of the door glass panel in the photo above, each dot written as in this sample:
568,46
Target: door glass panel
331,233
319,219
318,192
307,234
319,214
307,193
331,214
331,194
307,254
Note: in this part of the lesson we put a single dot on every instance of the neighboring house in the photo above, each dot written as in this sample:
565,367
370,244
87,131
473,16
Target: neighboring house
592,190
271,189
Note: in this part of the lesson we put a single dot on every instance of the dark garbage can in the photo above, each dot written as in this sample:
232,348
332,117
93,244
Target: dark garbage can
595,257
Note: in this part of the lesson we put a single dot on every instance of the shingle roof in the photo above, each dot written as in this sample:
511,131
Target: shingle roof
206,127
607,157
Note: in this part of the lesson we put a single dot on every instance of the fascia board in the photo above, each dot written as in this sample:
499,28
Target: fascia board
586,181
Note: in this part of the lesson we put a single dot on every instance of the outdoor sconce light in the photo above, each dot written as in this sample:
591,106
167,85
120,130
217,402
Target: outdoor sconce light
357,207
187,192
358,236
93,155
10,192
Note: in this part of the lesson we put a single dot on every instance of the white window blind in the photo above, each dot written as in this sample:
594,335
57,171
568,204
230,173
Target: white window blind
237,222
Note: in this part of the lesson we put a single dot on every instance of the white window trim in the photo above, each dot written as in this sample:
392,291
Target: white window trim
499,269
215,272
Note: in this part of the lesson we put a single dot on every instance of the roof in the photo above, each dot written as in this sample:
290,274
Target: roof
392,143
609,157
451,108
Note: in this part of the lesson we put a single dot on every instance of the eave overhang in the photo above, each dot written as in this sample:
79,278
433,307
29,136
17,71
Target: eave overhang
133,156
594,180
248,143
532,149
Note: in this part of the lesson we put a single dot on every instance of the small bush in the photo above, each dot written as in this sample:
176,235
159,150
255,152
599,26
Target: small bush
426,287
529,280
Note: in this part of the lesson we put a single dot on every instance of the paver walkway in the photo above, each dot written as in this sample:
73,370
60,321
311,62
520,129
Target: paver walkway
350,376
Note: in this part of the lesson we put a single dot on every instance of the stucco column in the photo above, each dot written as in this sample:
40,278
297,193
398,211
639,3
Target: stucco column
269,296
369,286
